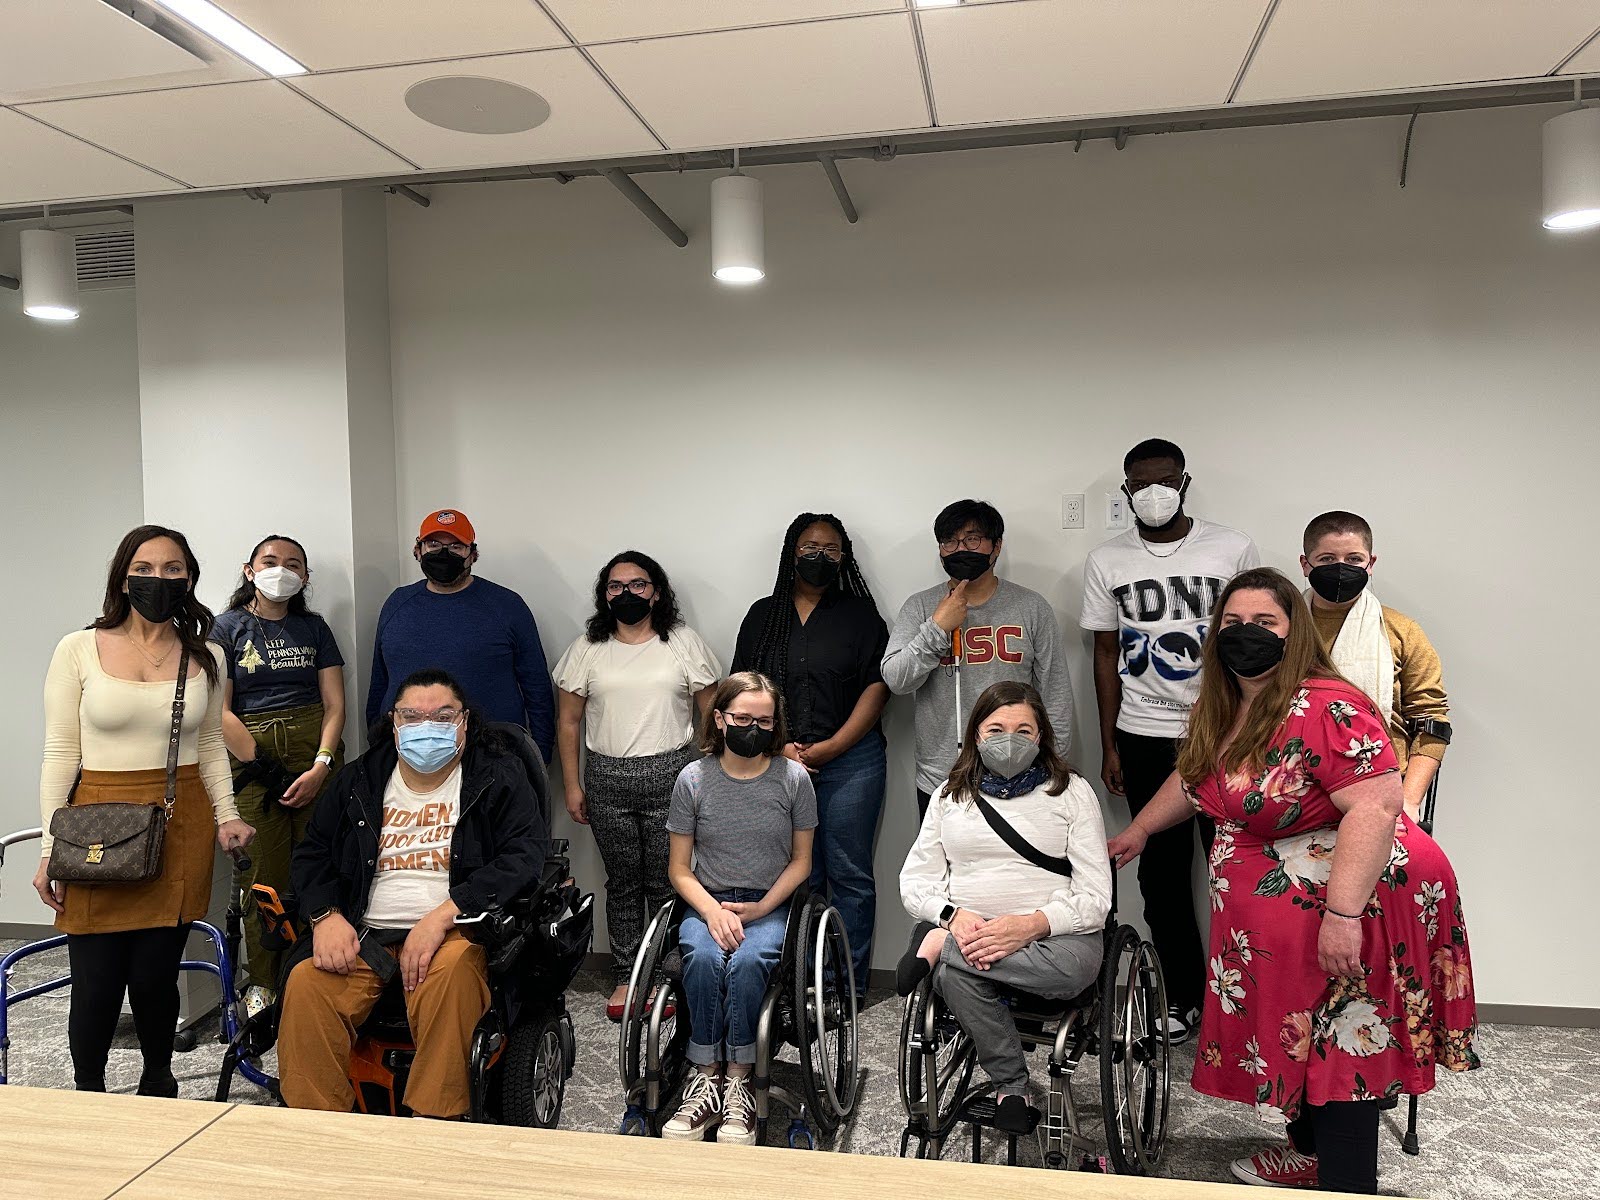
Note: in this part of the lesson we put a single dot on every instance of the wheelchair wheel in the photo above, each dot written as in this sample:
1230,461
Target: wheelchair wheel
936,1064
825,1015
1135,1057
534,1073
647,976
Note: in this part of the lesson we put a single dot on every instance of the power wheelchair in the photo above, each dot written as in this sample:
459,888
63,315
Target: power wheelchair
810,1004
1120,1018
522,1050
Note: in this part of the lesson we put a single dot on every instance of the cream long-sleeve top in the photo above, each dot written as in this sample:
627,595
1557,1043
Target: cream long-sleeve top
957,859
101,723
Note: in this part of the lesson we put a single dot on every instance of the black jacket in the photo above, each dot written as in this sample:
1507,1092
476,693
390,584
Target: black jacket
496,853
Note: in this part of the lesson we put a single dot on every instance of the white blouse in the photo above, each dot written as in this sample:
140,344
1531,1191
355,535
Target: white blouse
639,699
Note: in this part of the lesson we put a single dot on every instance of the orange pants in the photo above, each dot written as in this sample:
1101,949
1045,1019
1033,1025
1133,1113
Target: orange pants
322,1010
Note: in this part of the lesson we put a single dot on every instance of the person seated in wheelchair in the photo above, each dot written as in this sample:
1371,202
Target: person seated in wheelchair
1010,883
741,824
436,819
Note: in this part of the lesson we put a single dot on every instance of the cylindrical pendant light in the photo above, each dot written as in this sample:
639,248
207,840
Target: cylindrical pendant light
1572,170
738,243
49,275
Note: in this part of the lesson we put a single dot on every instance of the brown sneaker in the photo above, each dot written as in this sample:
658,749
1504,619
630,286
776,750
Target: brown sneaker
738,1113
700,1111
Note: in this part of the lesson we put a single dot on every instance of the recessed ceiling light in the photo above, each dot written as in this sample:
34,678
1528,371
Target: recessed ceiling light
475,104
211,20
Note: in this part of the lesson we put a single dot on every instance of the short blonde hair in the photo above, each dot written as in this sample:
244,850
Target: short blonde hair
740,682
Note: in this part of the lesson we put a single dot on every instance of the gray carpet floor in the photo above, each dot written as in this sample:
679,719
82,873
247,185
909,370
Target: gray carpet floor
1526,1125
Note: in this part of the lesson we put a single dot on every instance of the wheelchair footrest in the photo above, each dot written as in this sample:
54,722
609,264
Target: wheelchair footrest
981,1111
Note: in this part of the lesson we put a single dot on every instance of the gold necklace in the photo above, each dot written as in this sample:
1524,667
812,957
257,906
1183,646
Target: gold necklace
154,662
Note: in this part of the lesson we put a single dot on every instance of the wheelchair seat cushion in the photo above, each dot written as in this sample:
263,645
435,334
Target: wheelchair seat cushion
1028,1004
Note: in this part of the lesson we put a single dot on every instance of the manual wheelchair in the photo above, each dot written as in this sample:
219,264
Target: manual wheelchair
1119,1018
523,1048
810,1004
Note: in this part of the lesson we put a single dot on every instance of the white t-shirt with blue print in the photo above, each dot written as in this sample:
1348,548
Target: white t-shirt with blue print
1158,597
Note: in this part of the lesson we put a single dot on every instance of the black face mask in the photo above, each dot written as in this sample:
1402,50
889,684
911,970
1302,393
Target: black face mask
816,569
1338,583
965,564
156,600
749,741
1248,650
443,566
629,609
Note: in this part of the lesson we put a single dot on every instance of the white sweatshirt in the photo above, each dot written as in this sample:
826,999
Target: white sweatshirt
957,859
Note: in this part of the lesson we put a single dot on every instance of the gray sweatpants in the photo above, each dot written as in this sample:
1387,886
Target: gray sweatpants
1054,967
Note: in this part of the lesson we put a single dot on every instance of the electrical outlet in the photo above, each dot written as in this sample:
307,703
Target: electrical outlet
1116,510
1072,510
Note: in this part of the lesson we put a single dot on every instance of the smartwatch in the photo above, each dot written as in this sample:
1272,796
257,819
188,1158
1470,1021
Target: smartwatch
325,757
323,915
946,915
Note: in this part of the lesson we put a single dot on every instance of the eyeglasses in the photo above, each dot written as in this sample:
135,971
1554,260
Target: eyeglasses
811,550
745,720
637,586
415,716
971,541
459,549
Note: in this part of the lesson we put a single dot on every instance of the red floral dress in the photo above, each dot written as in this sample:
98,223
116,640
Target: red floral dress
1277,1031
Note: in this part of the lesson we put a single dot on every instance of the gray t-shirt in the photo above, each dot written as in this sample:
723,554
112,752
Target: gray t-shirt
743,829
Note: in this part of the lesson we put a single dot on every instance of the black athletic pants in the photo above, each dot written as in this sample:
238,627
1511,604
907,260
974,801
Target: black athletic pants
1166,869
1344,1137
141,964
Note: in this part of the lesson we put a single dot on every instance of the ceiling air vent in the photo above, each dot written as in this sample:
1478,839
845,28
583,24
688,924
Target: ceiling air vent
105,257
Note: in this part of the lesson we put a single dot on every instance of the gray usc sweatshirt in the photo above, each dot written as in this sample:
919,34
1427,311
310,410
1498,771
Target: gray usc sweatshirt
1015,636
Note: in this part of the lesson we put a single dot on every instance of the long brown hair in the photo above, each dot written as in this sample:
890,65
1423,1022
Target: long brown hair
711,739
967,774
1217,706
193,620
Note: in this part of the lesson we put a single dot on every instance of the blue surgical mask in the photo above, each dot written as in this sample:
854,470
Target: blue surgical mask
428,745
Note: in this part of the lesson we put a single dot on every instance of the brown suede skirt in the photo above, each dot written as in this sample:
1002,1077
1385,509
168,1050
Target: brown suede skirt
182,892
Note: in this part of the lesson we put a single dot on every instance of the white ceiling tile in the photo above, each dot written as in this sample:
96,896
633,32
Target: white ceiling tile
328,34
44,164
1585,62
1315,48
65,43
777,84
227,134
615,20
586,118
1055,58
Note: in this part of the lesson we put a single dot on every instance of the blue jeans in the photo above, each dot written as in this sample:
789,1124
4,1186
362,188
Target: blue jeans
849,799
724,991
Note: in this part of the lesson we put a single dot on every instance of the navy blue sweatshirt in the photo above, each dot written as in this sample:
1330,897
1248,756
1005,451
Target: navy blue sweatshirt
484,635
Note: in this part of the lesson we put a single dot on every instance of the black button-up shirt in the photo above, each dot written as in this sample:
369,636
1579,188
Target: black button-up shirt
834,656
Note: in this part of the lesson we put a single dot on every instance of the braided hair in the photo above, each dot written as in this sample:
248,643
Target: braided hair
772,648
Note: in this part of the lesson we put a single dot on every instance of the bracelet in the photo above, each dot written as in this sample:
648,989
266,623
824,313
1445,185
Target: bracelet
1333,912
328,750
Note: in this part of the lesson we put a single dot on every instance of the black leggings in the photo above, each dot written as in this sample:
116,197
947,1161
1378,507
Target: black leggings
1344,1137
141,963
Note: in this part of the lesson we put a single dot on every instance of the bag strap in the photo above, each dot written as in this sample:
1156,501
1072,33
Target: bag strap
1009,835
177,732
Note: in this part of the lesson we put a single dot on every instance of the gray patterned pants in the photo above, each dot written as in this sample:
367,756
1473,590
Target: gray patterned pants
628,800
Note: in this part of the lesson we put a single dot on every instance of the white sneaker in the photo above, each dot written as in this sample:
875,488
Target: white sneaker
738,1113
1181,1024
699,1112
257,1000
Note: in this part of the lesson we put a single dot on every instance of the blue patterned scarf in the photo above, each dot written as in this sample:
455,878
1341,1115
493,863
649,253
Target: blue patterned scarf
1017,785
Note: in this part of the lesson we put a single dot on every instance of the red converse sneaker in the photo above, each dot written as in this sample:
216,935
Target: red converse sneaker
1281,1166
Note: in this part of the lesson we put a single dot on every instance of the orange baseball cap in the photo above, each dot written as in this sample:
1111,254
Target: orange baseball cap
447,520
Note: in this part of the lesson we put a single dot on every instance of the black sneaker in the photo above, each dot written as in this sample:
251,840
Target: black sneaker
1181,1024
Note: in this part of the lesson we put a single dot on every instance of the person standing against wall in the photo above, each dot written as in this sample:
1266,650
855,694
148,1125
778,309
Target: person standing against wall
282,720
953,640
1147,597
1381,651
819,637
109,700
456,621
631,688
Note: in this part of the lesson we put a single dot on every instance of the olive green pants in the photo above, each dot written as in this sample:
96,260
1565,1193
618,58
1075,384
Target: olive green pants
292,734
